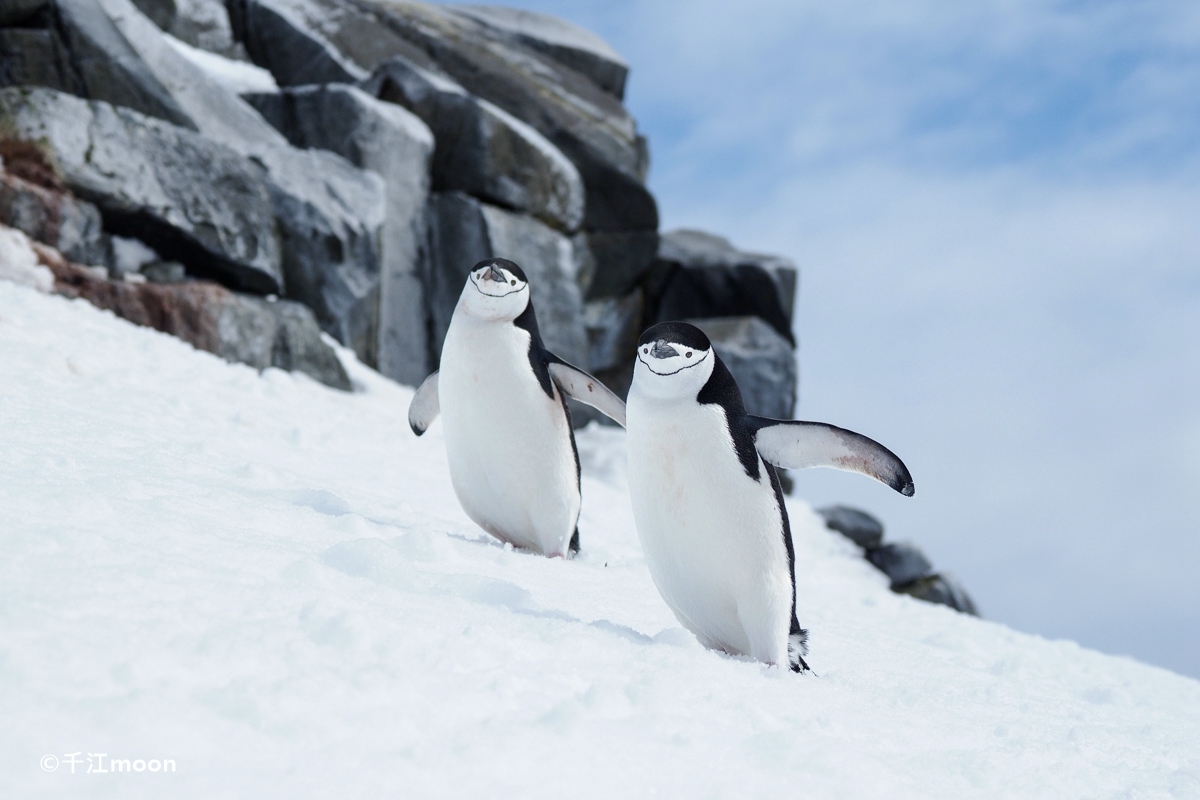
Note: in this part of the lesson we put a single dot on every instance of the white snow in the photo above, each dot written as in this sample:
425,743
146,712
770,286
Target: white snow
270,583
239,77
130,255
19,263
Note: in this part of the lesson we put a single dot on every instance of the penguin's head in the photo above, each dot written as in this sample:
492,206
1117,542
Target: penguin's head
496,290
674,360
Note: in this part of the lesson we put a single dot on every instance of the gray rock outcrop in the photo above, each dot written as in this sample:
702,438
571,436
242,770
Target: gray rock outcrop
585,122
588,124
72,46
172,188
570,45
397,146
329,213
482,150
517,145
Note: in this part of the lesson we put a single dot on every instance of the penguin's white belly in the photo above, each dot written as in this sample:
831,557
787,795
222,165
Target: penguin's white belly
508,443
712,535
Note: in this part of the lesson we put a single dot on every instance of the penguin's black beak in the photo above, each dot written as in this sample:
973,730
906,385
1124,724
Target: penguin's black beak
494,274
663,350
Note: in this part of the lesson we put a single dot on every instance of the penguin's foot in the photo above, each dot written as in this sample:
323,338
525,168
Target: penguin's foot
797,648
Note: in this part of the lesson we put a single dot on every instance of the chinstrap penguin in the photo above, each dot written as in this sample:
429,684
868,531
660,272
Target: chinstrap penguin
502,397
707,501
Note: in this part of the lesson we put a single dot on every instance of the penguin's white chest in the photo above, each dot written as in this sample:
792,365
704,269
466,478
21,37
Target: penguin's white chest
508,443
712,535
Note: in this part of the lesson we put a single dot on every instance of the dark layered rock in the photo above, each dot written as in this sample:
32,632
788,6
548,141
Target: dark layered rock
762,362
570,45
72,46
943,590
857,526
160,12
701,275
18,12
397,146
482,150
464,231
203,203
902,563
612,263
36,57
238,328
304,42
586,123
52,216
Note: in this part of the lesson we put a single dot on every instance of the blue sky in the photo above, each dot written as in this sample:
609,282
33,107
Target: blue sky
995,208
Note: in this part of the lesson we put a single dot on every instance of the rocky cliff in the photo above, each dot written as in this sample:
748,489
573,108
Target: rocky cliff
357,157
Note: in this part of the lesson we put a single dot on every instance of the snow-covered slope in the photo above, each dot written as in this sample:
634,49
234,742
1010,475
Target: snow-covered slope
271,583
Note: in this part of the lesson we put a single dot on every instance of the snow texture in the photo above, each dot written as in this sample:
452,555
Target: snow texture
19,263
130,255
238,77
271,583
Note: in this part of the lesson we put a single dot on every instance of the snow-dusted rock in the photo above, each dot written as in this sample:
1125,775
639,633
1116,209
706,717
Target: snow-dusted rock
203,24
318,41
465,231
762,362
482,150
391,142
330,214
52,216
705,276
569,44
72,46
203,203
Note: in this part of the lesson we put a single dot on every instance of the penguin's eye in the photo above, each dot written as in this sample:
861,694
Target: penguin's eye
645,349
513,282
689,353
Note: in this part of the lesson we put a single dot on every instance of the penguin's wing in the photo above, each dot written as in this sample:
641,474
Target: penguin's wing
799,445
578,385
424,408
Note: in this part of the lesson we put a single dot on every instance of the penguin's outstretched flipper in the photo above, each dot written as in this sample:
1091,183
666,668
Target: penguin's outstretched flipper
425,406
578,385
799,445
